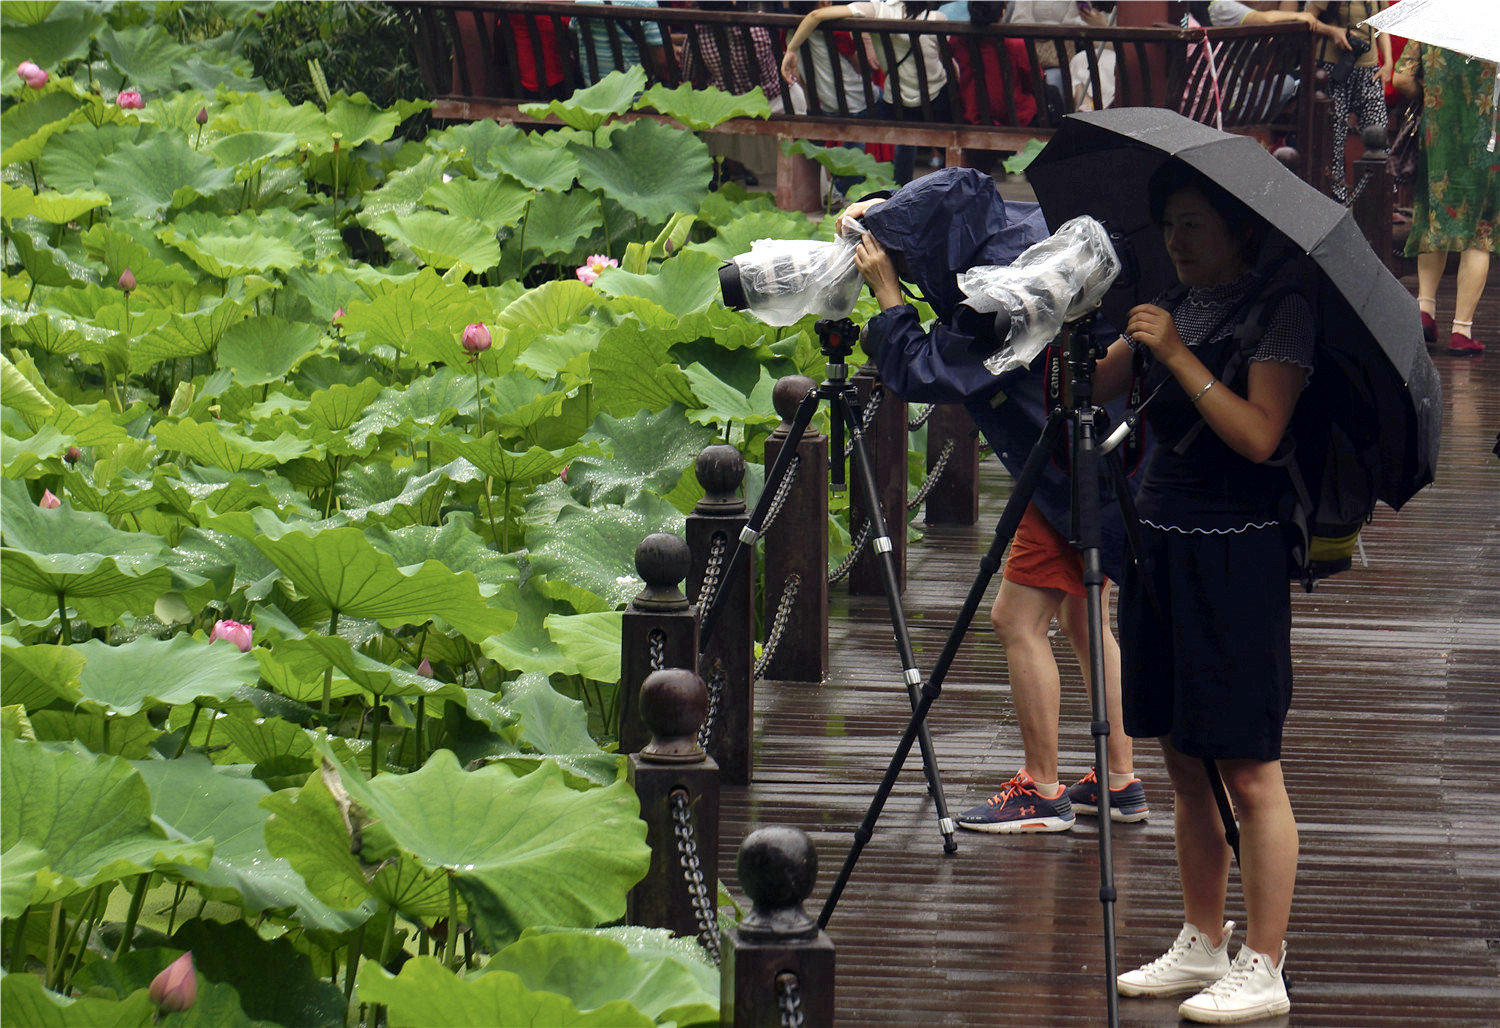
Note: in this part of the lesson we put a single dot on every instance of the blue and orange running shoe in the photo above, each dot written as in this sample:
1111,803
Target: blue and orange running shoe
1018,807
1127,803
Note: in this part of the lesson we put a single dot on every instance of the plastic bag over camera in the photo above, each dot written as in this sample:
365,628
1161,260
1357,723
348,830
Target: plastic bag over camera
784,280
1063,276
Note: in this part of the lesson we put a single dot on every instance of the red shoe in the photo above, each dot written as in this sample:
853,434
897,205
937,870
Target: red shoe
1429,328
1460,345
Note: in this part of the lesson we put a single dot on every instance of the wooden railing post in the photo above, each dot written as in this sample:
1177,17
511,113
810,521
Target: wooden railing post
1319,149
886,443
777,956
660,630
1372,208
678,786
797,546
728,660
954,499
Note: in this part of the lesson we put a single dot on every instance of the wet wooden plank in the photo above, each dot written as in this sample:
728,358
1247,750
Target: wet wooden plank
1391,761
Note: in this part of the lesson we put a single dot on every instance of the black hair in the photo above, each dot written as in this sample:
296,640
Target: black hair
1175,175
986,12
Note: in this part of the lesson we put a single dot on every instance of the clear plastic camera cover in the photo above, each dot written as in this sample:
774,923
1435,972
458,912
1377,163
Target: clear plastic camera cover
1062,276
786,279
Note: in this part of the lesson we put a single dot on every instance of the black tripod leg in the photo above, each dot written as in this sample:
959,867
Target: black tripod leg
1015,507
880,542
751,532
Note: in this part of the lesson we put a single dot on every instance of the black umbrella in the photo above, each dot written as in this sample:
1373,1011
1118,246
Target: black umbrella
1370,332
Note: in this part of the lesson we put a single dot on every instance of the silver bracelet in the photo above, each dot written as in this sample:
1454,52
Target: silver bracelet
1199,394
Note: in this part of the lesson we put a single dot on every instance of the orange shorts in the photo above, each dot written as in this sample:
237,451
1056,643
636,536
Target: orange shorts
1041,558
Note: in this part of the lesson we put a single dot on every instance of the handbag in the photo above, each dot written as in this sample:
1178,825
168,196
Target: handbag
1401,158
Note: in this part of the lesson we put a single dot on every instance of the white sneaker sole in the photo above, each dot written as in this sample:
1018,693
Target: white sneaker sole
1115,813
1204,1015
1038,824
1172,989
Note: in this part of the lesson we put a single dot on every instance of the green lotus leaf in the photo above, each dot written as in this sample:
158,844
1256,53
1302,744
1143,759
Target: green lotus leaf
522,851
18,868
119,250
276,982
592,548
93,425
590,641
401,497
56,333
565,353
342,570
647,453
633,370
18,391
27,1001
115,499
45,264
184,335
557,222
421,314
441,240
723,403
588,109
316,652
30,12
536,464
593,970
704,109
54,208
477,141
842,161
649,168
683,285
547,308
260,350
307,829
494,203
179,670
196,802
19,458
736,237
427,995
527,647
360,121
159,173
146,55
52,38
129,737
404,190
249,152
206,552
241,254
524,401
339,406
557,728
91,816
221,447
536,167
258,112
38,675
15,724
27,128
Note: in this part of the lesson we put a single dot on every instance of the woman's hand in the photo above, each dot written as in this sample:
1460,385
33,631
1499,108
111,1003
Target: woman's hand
878,270
789,67
1154,328
853,213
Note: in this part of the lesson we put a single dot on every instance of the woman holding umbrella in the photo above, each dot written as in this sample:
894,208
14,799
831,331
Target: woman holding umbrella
1205,628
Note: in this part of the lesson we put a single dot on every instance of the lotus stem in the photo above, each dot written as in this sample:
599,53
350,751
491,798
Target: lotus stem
176,899
91,921
478,396
333,627
54,959
18,946
182,748
505,520
421,728
66,633
452,952
375,737
489,502
209,735
355,945
133,914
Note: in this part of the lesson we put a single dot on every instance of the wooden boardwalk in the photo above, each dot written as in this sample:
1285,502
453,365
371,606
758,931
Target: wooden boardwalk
1391,757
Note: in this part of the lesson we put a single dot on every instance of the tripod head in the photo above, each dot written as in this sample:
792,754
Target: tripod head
836,338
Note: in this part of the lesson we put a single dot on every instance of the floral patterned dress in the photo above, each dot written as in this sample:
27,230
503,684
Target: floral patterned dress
1457,191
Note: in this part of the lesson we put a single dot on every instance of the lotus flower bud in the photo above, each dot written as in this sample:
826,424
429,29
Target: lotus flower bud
72,455
476,338
127,280
202,116
241,635
37,79
176,988
425,668
129,100
27,70
337,139
338,315
48,501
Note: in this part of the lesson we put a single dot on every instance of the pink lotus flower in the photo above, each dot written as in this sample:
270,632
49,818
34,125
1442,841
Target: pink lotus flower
476,338
176,988
202,116
590,269
425,668
242,635
127,280
48,501
130,100
33,75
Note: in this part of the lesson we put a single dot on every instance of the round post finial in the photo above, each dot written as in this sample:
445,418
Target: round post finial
662,560
673,704
777,867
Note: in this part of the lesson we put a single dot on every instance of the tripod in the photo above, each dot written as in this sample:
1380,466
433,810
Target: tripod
1082,353
836,341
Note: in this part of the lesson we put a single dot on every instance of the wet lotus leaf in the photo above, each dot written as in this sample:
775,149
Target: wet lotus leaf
48,36
182,669
441,240
557,222
592,548
724,404
224,255
149,260
588,109
494,203
360,121
129,737
145,55
735,238
683,285
18,869
704,109
20,394
38,675
157,174
27,1001
259,350
649,168
633,370
379,493
220,446
592,641
44,264
54,208
249,152
183,335
528,646
535,167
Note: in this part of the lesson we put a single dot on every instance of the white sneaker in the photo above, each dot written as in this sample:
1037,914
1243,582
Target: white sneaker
1190,965
1253,988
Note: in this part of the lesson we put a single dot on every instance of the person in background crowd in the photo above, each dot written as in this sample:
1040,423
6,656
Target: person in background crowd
1457,191
978,64
596,52
1356,83
835,64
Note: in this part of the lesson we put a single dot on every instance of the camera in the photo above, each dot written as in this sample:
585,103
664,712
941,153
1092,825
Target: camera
1341,70
781,280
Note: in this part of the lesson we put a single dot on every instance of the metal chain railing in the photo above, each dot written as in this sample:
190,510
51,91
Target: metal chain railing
705,909
921,419
782,492
860,542
867,418
1359,187
715,685
789,1000
778,623
712,571
932,476
657,641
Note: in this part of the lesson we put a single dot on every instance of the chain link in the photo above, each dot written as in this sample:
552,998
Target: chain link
867,418
921,419
778,624
1359,187
932,476
860,542
704,907
789,1000
712,571
715,692
657,641
782,491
